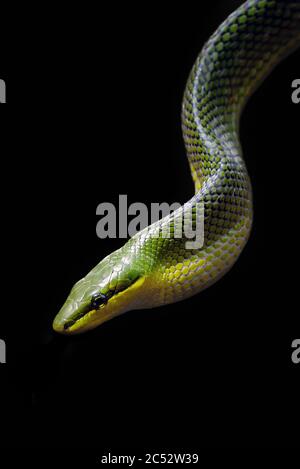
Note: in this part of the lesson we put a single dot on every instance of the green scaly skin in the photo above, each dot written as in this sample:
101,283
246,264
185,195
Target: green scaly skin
150,269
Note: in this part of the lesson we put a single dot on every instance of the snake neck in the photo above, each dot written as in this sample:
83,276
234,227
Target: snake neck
236,59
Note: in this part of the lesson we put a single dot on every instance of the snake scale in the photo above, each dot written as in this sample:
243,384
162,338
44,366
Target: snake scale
151,269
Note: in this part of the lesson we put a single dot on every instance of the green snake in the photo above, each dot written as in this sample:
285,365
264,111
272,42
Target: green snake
152,269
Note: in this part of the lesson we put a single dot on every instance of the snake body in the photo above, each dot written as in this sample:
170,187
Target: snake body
151,269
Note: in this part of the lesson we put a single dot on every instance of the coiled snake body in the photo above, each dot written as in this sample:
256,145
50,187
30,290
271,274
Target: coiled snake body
152,269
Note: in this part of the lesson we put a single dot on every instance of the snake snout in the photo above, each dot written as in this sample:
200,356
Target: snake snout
58,326
68,315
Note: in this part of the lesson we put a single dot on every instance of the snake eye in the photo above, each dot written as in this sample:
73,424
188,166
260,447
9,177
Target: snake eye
98,300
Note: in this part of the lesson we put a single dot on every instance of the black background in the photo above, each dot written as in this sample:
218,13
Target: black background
93,111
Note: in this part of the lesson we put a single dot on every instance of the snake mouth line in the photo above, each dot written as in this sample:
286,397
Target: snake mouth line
72,322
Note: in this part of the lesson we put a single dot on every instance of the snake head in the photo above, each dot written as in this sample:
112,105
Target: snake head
113,287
